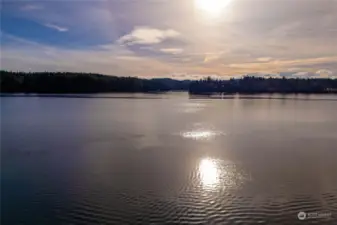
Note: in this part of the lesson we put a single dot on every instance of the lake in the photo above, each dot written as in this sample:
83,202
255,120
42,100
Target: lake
168,159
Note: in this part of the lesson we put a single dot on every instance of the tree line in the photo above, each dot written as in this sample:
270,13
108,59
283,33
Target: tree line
64,82
59,82
251,85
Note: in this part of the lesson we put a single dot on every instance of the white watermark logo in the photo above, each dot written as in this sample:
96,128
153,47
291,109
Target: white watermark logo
301,215
313,215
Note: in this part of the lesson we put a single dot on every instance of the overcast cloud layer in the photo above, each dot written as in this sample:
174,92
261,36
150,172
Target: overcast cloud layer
171,38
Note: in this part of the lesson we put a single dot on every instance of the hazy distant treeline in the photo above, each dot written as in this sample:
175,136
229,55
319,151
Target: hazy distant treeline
251,85
50,82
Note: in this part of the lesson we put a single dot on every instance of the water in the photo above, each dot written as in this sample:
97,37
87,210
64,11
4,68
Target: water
168,159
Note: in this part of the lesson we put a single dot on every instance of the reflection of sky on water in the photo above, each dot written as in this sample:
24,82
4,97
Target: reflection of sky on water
192,107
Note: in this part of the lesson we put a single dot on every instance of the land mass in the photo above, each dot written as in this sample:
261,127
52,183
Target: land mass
57,82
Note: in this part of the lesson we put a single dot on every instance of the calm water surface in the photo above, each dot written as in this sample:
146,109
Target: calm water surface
168,159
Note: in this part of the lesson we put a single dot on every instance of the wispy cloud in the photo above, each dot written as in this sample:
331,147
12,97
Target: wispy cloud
211,56
294,69
264,59
172,50
286,63
56,27
31,7
18,40
301,74
147,35
286,29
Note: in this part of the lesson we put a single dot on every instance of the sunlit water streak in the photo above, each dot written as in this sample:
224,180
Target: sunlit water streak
199,135
216,174
209,173
201,132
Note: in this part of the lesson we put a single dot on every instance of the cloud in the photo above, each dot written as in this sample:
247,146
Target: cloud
172,50
147,35
264,59
324,73
294,69
18,41
109,60
261,74
56,27
211,56
282,36
286,63
128,58
286,29
303,75
300,74
30,7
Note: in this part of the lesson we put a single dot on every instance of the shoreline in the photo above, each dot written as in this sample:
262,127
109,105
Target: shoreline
165,95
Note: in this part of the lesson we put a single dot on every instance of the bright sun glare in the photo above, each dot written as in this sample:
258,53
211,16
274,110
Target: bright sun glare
209,173
212,7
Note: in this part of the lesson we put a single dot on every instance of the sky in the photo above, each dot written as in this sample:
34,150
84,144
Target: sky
181,39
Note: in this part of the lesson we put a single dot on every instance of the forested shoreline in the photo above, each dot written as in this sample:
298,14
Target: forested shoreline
64,82
257,85
57,82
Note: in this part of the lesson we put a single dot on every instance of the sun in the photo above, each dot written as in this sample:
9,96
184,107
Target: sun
211,7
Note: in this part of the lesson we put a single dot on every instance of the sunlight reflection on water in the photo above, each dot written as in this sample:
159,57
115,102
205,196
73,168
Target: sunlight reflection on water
191,107
201,131
203,134
215,174
209,173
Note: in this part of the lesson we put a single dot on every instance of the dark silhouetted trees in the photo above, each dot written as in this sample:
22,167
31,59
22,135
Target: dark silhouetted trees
251,85
47,82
